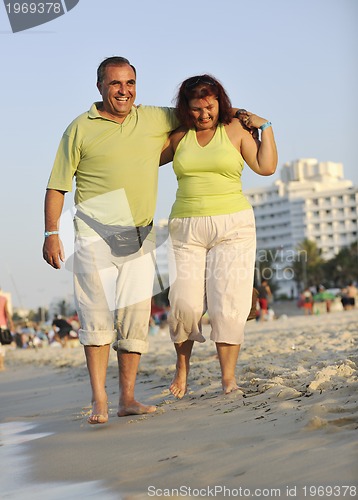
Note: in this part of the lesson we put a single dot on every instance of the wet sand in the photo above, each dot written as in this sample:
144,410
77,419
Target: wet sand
293,425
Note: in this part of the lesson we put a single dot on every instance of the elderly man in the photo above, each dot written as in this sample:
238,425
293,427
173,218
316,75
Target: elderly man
113,152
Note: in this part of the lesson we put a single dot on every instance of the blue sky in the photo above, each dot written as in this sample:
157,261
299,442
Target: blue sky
293,62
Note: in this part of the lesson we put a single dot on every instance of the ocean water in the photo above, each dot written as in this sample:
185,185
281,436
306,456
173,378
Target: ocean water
15,476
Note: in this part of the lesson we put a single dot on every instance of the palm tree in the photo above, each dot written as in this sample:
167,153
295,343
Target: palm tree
343,268
308,267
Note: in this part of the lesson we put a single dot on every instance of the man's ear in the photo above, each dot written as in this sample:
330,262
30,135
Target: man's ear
99,86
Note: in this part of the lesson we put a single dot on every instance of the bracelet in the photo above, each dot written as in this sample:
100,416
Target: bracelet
49,233
265,125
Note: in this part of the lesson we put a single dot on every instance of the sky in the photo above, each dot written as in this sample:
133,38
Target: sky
292,62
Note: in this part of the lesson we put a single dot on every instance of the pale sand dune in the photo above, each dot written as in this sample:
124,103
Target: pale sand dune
293,424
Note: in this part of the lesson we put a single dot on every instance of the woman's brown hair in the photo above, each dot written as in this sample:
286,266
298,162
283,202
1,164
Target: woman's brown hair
201,87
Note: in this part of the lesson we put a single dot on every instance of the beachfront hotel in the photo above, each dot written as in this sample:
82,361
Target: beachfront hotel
311,200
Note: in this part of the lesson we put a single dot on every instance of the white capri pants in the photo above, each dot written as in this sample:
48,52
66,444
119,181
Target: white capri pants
213,259
113,294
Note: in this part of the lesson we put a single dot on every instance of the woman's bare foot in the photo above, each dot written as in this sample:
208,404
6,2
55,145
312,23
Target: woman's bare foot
134,408
228,355
179,387
229,386
99,414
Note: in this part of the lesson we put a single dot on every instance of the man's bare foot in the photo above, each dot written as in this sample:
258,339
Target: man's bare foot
99,414
179,387
134,408
229,386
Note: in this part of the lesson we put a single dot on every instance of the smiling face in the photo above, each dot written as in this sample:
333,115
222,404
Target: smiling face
118,91
205,112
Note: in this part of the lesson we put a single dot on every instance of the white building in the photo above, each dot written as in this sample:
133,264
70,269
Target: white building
312,201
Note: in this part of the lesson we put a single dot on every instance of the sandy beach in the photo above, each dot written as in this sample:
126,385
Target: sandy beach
290,432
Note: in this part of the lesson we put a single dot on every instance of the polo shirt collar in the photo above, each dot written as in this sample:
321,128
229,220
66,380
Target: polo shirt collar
93,113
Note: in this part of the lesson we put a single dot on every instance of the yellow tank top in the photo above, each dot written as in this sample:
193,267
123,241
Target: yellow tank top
209,177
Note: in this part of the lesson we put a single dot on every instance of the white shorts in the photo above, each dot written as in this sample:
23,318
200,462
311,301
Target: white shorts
214,260
113,294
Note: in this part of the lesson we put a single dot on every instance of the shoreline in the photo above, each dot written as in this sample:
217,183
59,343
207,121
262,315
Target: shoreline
290,427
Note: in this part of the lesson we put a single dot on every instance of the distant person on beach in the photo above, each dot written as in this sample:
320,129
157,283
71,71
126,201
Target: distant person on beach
113,152
265,295
349,295
306,301
5,323
212,226
62,329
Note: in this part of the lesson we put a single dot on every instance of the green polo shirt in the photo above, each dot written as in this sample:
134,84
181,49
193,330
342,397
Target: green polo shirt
115,165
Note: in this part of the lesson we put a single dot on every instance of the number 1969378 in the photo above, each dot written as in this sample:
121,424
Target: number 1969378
34,8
